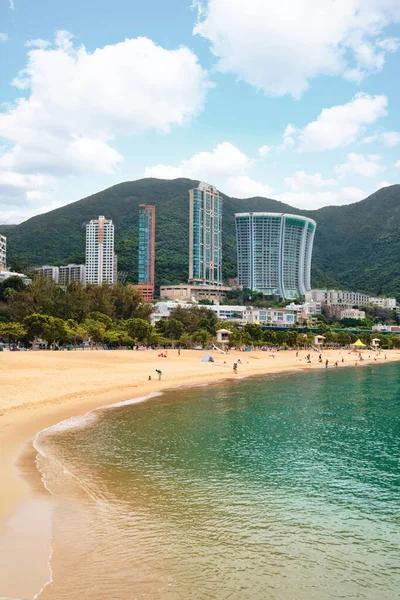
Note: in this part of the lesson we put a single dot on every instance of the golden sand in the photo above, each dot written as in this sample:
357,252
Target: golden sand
40,389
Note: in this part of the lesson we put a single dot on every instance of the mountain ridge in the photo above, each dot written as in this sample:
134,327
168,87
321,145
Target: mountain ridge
356,246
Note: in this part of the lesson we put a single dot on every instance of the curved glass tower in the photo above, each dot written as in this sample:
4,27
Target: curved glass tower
274,252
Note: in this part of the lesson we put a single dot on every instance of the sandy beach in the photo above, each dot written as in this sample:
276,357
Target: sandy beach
39,389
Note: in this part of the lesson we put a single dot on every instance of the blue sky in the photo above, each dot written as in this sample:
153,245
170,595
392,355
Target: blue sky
296,100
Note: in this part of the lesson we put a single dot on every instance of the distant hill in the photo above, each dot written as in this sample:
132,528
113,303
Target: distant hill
356,246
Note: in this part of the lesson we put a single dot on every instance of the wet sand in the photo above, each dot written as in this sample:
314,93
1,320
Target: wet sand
39,389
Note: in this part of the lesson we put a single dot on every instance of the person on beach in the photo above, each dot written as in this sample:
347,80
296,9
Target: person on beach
336,364
179,351
326,363
342,359
159,374
149,378
235,368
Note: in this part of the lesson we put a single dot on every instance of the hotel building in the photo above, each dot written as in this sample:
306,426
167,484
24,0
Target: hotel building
3,251
146,255
100,258
274,253
205,239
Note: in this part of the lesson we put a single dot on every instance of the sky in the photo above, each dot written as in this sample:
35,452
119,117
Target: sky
295,100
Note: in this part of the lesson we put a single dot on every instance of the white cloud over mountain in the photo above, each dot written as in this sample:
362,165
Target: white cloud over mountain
301,180
359,164
223,162
312,200
341,125
78,101
279,47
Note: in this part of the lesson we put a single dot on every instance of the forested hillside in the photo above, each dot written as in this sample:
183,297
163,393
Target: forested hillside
356,246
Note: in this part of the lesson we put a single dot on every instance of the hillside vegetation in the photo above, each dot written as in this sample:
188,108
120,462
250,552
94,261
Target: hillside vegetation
356,246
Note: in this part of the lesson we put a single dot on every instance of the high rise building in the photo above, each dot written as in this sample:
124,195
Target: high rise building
205,239
3,251
49,271
274,252
100,258
71,272
146,256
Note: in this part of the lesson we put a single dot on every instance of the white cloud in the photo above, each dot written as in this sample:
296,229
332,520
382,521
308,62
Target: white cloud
78,101
341,125
279,47
388,138
12,4
389,44
382,184
225,166
359,164
397,164
301,180
3,37
307,200
264,150
245,187
223,162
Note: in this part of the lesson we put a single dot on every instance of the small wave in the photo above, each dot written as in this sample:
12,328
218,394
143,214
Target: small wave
72,423
128,402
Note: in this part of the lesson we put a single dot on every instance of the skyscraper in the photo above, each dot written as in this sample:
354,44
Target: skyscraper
100,252
274,252
205,240
146,256
3,251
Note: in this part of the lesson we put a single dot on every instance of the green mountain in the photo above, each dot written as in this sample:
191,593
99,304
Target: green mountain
356,246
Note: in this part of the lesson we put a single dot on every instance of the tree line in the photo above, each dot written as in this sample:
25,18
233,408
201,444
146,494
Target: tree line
118,316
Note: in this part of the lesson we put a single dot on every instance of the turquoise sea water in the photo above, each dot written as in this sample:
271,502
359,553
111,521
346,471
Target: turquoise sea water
283,487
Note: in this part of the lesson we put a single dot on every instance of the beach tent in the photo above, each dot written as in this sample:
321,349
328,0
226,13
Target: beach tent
207,358
358,344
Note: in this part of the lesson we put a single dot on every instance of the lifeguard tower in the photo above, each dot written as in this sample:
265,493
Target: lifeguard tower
319,342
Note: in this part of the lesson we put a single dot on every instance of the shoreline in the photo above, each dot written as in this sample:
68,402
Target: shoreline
23,421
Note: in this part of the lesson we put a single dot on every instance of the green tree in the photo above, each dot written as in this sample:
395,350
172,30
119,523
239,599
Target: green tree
12,332
55,331
201,337
96,331
255,332
76,332
139,330
170,328
10,286
35,326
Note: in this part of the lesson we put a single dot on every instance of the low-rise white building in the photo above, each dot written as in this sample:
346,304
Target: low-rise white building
337,297
384,302
307,308
352,313
6,274
341,297
284,317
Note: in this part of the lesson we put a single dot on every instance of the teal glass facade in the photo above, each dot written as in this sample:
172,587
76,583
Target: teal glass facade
274,253
146,244
205,251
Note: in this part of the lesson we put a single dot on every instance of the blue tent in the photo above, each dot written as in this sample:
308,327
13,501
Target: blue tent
207,358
